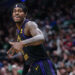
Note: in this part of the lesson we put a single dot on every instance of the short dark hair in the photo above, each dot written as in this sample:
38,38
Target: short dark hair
21,5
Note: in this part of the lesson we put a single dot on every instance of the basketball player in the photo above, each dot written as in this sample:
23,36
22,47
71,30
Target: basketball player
29,41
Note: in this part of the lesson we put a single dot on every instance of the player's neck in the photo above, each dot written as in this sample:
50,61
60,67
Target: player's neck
19,25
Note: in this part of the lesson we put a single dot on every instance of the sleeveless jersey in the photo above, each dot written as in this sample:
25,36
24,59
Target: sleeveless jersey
31,54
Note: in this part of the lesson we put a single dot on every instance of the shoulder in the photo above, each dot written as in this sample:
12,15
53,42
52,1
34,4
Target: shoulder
32,24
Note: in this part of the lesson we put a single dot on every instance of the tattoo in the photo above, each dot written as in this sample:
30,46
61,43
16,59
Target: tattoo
35,32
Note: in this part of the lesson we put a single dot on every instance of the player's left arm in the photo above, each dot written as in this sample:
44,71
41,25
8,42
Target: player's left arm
36,33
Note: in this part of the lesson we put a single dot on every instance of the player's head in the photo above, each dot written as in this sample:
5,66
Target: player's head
19,12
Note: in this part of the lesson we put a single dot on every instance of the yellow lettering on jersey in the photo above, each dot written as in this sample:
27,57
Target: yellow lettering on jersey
18,38
26,56
21,30
36,68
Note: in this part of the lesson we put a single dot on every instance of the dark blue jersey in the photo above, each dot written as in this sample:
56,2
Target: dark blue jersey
31,53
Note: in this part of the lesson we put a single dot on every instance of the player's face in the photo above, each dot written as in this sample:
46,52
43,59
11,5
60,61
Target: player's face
18,14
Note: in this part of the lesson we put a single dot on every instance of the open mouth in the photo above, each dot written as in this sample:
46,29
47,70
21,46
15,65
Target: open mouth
17,17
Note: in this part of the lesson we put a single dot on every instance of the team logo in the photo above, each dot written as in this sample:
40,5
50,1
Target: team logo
36,68
26,56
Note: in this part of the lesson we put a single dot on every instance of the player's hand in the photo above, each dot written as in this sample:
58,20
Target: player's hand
11,51
17,46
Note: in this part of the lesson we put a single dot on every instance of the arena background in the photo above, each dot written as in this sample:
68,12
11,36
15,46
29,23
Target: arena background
56,18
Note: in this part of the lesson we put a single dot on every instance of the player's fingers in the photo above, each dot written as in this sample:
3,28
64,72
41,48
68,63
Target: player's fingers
8,52
11,51
18,51
12,43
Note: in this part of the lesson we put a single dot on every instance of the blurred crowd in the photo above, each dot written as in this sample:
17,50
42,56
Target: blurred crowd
56,18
